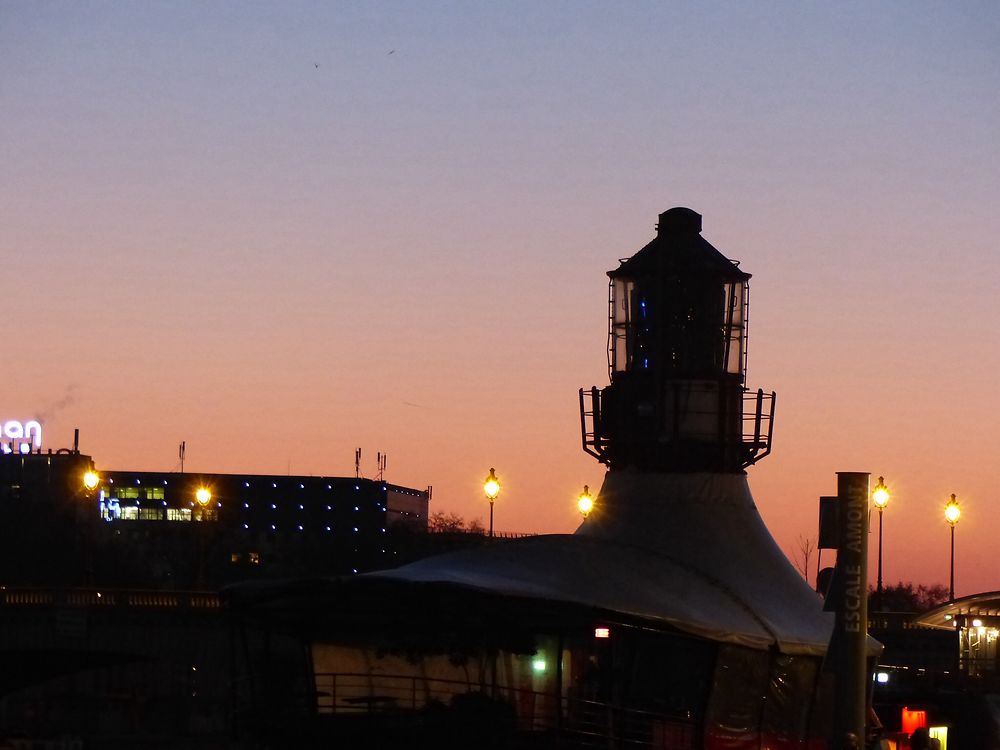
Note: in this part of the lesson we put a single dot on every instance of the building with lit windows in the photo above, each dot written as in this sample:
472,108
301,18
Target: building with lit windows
168,530
112,633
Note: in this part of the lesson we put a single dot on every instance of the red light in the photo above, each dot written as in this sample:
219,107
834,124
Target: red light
602,632
913,719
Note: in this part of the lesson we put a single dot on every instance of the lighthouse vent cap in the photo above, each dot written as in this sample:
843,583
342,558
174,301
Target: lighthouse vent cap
679,221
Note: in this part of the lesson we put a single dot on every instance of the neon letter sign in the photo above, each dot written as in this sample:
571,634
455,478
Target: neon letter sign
30,431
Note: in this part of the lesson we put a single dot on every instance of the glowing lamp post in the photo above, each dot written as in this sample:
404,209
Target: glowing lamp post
203,496
492,488
90,480
951,514
585,503
880,498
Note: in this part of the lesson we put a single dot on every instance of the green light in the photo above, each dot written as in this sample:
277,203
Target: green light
538,665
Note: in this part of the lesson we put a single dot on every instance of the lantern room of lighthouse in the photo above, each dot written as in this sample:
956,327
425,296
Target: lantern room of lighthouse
677,344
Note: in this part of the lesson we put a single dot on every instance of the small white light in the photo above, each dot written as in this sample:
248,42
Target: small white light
977,623
602,632
882,678
538,665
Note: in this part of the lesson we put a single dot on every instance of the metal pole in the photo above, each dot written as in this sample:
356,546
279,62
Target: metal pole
951,584
878,589
491,519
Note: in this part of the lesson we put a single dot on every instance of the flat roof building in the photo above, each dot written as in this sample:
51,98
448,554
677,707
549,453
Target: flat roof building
193,530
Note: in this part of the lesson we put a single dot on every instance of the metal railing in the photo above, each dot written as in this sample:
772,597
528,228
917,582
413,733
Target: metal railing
577,722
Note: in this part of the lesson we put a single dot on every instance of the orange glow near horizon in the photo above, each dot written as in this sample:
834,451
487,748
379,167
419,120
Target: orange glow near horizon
299,245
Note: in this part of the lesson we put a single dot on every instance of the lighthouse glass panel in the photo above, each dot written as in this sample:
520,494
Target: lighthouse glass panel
734,328
619,349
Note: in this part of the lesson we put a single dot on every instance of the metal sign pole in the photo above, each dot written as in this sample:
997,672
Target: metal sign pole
851,610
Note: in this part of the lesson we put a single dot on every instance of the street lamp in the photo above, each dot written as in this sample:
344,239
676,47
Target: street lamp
951,514
203,495
492,488
90,480
880,497
585,503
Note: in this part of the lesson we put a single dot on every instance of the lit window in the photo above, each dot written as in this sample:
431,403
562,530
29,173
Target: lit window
602,632
178,514
235,557
254,558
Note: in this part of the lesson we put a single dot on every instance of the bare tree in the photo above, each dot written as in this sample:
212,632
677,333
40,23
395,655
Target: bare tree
445,522
453,523
804,548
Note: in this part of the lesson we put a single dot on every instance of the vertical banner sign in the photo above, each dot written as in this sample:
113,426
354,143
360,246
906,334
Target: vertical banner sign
851,607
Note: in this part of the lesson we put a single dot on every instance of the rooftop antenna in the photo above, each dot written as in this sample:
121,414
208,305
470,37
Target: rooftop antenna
381,466
357,463
181,450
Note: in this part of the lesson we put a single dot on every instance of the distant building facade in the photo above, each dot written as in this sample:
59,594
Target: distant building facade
193,531
111,629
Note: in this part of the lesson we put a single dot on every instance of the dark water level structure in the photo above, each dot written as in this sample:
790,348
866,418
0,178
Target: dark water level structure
670,619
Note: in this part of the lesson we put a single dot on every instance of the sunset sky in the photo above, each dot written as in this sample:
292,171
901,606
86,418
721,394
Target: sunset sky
281,231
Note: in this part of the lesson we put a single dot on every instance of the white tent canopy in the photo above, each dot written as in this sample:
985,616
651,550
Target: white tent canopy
689,550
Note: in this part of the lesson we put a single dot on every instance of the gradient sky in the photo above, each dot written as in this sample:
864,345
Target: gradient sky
280,231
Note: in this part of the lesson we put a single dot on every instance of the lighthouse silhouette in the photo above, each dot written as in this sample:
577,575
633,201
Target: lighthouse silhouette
677,342
670,616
